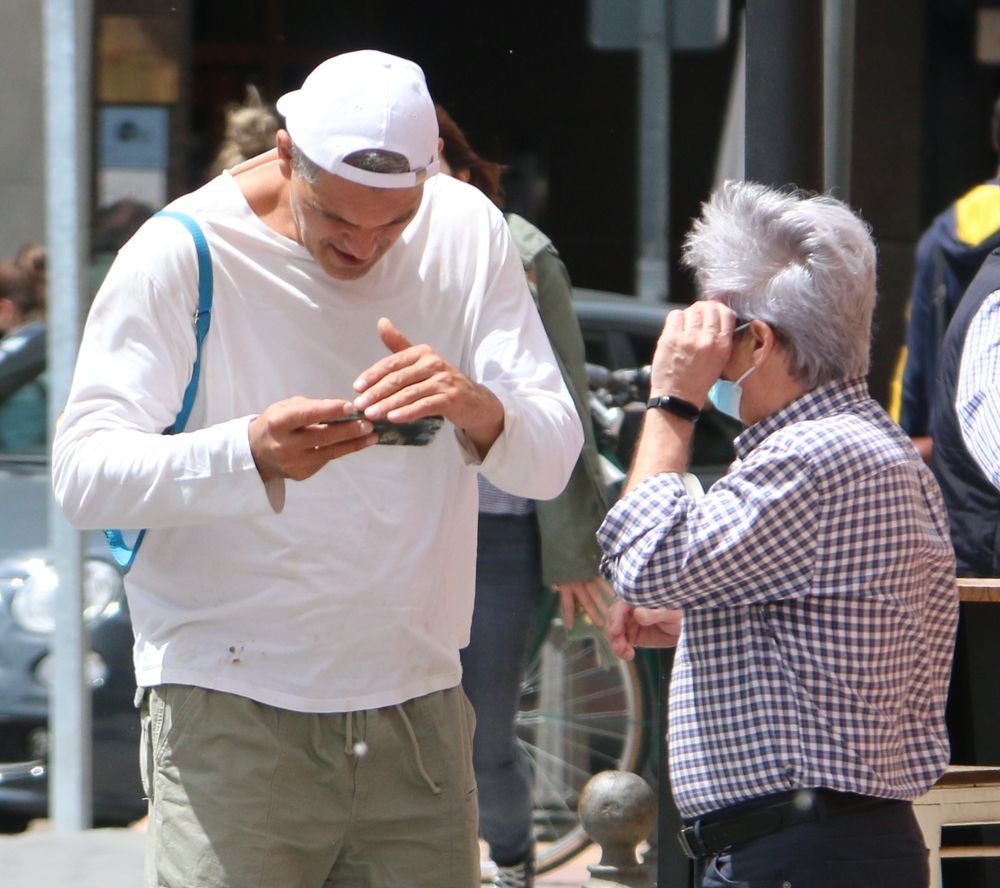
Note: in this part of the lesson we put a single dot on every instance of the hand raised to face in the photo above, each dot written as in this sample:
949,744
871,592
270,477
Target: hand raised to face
694,346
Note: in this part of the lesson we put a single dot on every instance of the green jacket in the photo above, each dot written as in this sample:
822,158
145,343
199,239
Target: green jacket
568,523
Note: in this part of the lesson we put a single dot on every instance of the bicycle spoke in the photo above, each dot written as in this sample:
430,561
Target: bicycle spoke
582,711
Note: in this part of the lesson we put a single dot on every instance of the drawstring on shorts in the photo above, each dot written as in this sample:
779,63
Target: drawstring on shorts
360,748
416,751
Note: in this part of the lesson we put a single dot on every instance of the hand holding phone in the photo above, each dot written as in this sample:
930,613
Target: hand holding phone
414,374
416,433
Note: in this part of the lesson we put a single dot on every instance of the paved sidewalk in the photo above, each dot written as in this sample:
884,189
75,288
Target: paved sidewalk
112,858
95,858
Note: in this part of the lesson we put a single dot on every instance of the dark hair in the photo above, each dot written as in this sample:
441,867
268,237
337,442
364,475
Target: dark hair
116,222
373,160
33,258
18,284
459,155
378,160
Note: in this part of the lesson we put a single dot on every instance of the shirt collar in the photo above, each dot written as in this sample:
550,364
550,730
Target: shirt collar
832,397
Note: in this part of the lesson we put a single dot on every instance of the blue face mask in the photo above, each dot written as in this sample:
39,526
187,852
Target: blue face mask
726,395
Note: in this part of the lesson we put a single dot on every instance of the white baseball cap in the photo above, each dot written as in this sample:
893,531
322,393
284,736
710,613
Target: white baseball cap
365,100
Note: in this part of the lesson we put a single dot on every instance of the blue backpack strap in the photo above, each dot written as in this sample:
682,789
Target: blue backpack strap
122,552
203,317
120,549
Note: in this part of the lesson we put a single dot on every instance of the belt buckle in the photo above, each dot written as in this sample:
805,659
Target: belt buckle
691,843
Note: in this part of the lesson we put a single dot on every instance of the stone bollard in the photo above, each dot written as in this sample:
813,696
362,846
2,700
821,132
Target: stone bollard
617,810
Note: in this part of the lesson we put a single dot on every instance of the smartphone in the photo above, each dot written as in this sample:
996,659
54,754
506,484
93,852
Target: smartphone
416,433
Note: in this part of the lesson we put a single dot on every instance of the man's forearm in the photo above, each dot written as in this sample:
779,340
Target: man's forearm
664,446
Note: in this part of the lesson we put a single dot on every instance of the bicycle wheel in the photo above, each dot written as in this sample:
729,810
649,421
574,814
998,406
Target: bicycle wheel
582,711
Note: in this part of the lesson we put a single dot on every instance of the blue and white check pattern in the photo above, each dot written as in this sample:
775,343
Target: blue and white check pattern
977,400
818,587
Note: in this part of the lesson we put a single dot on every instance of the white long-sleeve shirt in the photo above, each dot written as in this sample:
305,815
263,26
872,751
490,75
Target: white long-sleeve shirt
352,589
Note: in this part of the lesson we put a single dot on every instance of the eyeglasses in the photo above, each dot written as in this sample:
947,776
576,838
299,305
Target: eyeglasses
779,334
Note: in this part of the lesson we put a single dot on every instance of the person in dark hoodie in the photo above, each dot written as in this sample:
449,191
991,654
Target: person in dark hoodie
949,254
965,427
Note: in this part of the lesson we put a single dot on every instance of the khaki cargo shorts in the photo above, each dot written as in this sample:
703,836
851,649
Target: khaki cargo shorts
243,795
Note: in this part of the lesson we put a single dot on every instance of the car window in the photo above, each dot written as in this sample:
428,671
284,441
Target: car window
642,346
24,495
23,391
616,348
24,418
595,346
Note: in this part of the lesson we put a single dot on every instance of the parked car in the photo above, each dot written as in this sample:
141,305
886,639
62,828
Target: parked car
28,586
618,332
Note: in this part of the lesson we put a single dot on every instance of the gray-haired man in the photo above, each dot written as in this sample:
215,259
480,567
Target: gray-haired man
812,588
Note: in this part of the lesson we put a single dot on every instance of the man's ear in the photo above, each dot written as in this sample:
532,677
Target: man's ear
283,142
765,341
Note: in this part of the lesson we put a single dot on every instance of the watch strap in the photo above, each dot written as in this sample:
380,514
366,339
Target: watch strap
676,406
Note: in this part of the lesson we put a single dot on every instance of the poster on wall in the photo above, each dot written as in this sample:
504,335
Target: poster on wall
138,59
133,151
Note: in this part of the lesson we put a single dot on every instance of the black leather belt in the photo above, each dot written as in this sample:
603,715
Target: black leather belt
762,817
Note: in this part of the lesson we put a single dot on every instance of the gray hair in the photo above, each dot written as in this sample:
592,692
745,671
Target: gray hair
803,264
374,160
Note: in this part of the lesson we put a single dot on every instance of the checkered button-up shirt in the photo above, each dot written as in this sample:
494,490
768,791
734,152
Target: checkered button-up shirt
818,589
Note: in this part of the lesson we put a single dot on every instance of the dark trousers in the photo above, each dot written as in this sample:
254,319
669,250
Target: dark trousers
508,586
877,847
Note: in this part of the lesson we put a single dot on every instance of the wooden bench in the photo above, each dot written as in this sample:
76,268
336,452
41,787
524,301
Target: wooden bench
966,795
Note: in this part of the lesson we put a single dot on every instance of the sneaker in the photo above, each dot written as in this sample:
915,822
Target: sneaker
518,875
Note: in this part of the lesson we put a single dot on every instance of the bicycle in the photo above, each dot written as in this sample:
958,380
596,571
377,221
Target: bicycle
583,710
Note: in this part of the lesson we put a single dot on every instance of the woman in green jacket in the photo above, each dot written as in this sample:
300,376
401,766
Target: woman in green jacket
524,544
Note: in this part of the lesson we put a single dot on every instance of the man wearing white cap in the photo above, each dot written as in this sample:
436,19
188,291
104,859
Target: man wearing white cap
297,643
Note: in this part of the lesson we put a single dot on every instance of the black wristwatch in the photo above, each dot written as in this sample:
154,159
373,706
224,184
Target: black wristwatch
676,406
